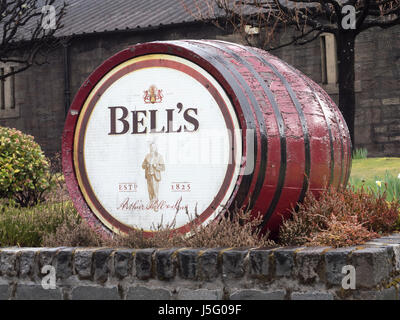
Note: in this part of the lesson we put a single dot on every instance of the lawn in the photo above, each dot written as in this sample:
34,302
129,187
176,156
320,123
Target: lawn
367,169
377,174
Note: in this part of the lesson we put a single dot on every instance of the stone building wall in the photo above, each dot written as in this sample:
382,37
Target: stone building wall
41,100
39,95
377,86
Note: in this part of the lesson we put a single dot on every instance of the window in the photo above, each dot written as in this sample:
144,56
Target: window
8,107
329,69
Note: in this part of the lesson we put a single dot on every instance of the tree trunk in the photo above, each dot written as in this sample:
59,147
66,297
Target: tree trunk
347,100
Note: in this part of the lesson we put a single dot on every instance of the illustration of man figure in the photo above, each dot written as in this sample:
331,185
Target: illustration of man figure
153,164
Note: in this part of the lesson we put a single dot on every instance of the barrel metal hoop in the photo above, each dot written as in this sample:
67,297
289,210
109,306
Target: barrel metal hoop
344,178
301,117
257,110
243,188
329,128
332,164
282,135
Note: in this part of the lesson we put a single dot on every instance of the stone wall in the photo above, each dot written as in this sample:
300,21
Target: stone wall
203,274
377,86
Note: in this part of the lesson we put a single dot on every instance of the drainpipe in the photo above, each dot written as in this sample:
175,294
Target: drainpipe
67,90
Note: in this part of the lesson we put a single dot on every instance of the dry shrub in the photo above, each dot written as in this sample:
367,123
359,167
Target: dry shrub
339,218
342,234
374,211
230,230
164,237
296,231
73,233
238,229
235,230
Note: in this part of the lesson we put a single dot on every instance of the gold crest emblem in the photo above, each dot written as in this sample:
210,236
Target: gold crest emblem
153,95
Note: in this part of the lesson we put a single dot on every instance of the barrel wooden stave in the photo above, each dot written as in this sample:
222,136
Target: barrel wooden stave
314,145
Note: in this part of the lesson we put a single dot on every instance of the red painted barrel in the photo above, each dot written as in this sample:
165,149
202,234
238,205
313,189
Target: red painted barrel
292,137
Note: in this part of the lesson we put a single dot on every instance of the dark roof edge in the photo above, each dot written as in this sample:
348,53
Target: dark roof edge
136,30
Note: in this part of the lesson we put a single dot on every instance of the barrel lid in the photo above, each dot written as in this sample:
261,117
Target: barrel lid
153,138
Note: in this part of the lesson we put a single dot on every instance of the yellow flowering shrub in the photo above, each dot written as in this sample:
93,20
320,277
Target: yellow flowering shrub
24,169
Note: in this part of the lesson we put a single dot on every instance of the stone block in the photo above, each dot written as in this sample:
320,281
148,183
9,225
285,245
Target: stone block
385,294
144,293
391,101
380,129
311,295
123,261
36,292
187,263
233,263
394,235
46,257
200,294
255,294
370,103
390,149
335,260
363,134
284,261
4,292
63,261
309,265
95,293
144,263
259,262
165,264
27,263
389,294
392,239
208,264
372,265
381,138
8,262
395,247
83,263
102,260
396,252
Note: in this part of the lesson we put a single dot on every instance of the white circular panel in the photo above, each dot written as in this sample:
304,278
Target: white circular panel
156,147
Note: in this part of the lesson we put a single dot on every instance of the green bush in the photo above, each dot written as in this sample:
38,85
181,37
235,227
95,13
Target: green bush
24,169
28,227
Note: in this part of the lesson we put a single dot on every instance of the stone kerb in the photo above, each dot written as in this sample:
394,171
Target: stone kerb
281,273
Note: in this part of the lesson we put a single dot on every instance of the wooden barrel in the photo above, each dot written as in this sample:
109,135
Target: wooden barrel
282,133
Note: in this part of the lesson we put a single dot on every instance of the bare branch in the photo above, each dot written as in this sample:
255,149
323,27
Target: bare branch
299,40
384,24
304,17
23,33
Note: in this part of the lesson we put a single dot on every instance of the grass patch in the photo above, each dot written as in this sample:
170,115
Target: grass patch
27,227
368,169
378,175
361,153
